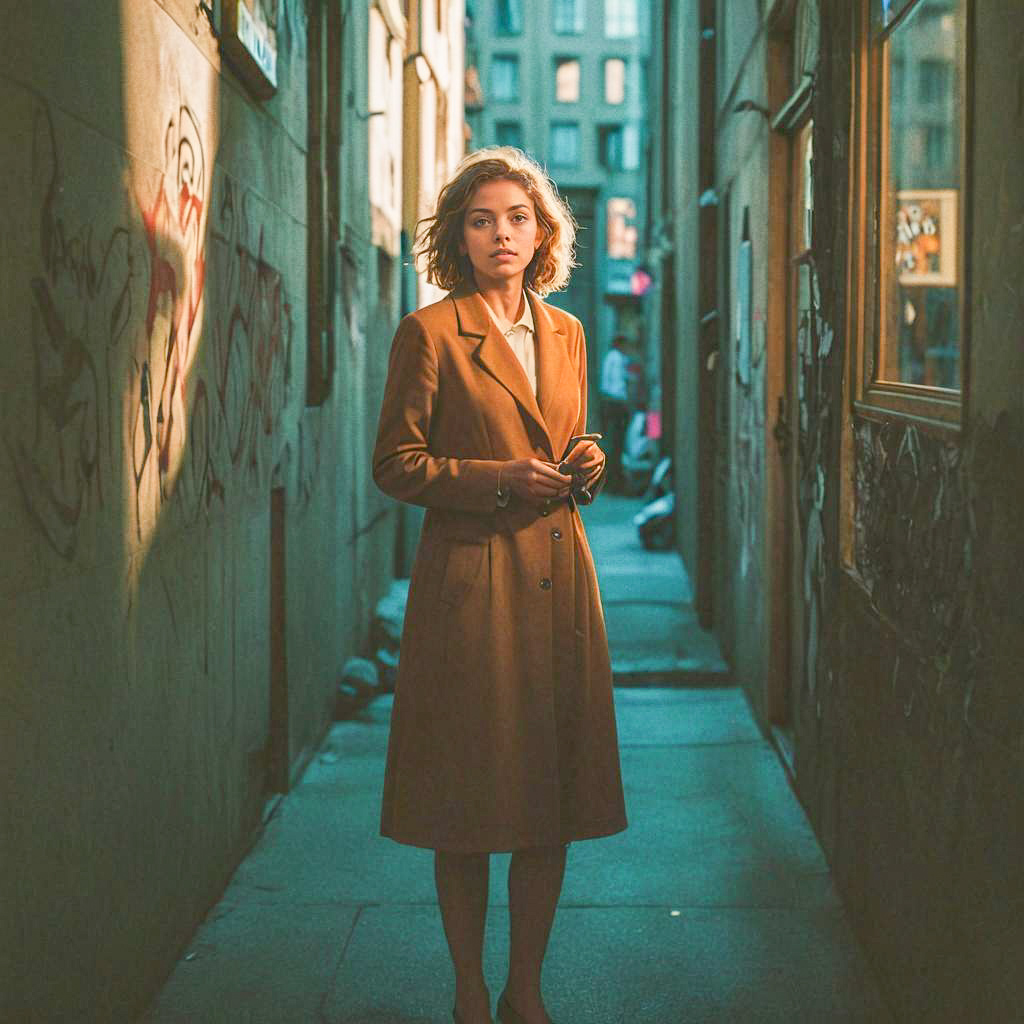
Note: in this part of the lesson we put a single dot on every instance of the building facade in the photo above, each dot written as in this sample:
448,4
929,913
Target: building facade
199,277
841,202
567,83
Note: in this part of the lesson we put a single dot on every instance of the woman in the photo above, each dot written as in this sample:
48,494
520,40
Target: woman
503,733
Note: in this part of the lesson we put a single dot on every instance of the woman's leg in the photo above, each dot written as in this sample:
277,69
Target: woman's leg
534,884
462,880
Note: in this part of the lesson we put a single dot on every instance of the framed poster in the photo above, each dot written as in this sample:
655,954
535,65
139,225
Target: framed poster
926,237
249,41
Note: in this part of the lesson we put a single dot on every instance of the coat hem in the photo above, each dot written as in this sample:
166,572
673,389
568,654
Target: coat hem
598,829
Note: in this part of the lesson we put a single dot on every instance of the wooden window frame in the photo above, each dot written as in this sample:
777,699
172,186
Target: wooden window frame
938,409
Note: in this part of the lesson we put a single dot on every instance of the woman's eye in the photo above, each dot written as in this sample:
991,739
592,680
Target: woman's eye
480,222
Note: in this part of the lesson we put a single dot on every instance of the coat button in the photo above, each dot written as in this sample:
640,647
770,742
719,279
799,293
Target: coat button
545,511
545,584
556,533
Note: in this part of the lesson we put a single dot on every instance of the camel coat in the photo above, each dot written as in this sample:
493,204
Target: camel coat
503,729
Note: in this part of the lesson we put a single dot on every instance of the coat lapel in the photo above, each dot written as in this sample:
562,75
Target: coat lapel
557,384
495,355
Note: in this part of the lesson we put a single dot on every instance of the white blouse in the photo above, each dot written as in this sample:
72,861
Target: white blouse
520,338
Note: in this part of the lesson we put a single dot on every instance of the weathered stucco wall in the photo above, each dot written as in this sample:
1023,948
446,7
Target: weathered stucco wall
153,296
910,743
745,190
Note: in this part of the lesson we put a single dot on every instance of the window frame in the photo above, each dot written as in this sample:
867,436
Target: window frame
940,409
557,61
626,91
506,122
565,123
618,18
511,31
512,59
579,20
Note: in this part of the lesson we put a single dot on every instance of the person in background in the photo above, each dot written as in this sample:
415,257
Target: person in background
636,379
615,407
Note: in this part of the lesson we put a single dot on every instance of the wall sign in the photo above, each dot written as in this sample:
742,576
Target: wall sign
249,41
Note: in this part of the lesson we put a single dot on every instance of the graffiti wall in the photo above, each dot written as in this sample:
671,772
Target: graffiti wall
152,397
909,751
166,333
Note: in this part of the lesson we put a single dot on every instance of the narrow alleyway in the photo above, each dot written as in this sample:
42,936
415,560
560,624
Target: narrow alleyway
715,905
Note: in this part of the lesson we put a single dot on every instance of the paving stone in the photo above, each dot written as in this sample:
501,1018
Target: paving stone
326,920
255,964
636,965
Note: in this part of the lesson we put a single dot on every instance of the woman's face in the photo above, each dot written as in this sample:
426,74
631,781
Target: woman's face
500,232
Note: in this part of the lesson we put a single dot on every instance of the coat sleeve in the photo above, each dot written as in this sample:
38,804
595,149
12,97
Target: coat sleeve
597,481
403,465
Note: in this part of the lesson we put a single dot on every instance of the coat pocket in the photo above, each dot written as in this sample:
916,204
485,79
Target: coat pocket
462,569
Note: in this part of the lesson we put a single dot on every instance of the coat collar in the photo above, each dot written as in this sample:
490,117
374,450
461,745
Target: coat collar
556,382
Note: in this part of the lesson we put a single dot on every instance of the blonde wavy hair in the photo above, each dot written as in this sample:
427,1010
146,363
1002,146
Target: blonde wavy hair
439,236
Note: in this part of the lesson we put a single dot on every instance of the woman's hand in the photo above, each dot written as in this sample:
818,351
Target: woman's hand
585,460
535,480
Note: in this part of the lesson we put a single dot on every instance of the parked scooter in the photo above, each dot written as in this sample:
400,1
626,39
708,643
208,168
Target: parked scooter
639,455
656,521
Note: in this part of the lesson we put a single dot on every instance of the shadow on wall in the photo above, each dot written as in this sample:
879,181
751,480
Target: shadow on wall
157,405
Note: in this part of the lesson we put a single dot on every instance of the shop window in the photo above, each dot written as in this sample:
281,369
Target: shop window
568,17
912,224
934,80
614,80
505,78
565,144
567,80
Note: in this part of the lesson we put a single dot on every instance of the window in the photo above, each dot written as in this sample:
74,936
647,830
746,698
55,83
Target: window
609,146
565,144
933,80
510,17
567,80
885,12
620,19
504,78
614,80
619,147
622,233
508,133
568,17
896,74
912,266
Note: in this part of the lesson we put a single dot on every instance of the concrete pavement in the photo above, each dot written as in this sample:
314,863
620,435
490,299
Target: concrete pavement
653,632
715,905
